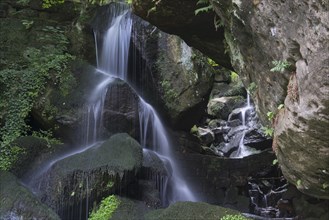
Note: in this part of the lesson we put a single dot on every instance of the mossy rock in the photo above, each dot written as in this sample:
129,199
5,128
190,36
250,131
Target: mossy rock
224,89
97,171
17,202
129,209
31,148
190,211
222,107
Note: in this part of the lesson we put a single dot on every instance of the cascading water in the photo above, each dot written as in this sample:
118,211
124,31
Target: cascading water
243,150
152,129
113,62
112,59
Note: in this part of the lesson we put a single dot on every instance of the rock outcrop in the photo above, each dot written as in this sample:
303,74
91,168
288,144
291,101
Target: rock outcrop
257,33
121,109
42,56
176,78
190,210
178,17
17,202
92,173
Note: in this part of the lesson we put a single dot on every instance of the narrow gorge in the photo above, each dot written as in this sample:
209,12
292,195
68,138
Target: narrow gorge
144,109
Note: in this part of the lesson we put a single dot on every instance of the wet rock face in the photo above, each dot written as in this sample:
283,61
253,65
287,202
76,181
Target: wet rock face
175,76
258,33
91,174
17,202
120,111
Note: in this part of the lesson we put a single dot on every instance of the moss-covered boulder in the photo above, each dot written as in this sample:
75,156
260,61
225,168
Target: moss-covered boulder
129,209
222,107
93,173
30,148
17,202
189,211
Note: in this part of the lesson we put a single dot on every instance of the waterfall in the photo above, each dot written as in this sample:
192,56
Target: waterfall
112,48
153,133
113,62
243,150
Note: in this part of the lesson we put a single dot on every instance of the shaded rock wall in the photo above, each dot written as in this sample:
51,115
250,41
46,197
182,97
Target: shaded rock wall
256,34
175,78
177,17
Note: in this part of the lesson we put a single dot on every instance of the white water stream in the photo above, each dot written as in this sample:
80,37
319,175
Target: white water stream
244,150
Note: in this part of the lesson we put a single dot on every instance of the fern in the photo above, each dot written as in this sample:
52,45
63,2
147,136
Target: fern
205,8
280,66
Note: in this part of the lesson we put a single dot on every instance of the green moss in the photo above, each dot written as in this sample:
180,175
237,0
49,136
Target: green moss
169,93
15,199
106,209
190,211
234,217
26,78
194,129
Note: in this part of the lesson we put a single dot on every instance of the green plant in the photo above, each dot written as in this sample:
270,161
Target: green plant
275,161
205,8
194,129
23,2
28,24
268,131
325,185
47,136
252,87
110,184
233,217
50,3
270,116
211,62
106,209
22,85
281,106
299,183
234,77
9,156
280,65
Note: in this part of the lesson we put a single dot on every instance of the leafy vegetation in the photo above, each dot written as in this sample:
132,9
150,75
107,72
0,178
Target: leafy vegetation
49,3
206,7
212,63
23,83
268,131
234,77
47,136
252,88
234,217
270,116
280,66
106,209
